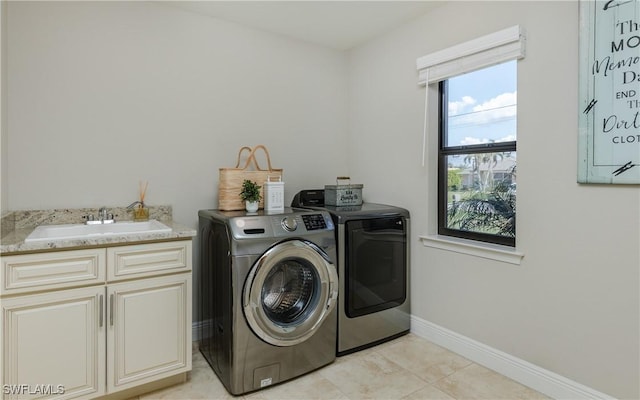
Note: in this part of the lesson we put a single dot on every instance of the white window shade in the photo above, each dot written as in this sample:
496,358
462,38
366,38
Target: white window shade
495,48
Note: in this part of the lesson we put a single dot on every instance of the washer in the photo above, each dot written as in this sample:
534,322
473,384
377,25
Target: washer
373,266
268,291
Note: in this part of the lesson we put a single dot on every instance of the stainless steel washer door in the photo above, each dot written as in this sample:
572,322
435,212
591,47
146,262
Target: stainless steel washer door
289,292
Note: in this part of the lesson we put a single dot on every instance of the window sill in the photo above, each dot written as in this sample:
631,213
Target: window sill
473,248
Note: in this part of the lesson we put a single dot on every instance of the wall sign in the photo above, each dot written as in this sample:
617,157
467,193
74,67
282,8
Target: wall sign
609,111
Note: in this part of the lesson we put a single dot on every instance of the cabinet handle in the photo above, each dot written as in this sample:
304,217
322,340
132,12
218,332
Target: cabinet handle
111,311
101,310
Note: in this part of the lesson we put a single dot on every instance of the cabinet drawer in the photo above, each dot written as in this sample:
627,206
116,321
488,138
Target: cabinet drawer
136,261
44,271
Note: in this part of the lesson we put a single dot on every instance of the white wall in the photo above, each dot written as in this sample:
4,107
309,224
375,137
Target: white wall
572,307
4,171
103,95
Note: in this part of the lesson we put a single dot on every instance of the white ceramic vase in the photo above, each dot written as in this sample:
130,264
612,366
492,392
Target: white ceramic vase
251,206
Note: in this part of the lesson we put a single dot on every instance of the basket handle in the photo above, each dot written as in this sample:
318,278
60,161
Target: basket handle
252,156
243,148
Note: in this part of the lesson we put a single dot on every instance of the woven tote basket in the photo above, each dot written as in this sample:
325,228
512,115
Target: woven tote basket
230,180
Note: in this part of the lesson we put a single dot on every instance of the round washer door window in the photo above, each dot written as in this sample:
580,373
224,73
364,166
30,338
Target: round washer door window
289,292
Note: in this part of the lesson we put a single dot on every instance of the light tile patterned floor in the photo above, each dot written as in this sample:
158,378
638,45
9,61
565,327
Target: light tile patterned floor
408,368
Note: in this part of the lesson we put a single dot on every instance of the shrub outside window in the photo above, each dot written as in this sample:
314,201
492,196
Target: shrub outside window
477,155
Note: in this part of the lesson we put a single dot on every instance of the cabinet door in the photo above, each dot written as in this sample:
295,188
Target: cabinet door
54,344
149,332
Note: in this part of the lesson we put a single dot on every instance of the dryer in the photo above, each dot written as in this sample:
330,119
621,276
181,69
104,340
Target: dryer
373,268
268,291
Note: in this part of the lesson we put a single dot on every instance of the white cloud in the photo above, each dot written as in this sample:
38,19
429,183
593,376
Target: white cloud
501,100
471,140
468,140
508,138
457,107
500,108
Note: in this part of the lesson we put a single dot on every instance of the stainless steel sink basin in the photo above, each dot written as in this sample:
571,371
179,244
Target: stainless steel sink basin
79,231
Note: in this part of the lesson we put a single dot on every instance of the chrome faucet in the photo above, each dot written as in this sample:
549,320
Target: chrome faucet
104,217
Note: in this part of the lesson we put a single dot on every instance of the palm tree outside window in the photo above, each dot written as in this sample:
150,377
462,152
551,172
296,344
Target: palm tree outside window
477,155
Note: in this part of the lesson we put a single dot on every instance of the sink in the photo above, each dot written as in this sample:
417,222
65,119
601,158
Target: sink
78,231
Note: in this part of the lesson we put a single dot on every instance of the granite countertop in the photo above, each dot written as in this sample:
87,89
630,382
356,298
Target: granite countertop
16,226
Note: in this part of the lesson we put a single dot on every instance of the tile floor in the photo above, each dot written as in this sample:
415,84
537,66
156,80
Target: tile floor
409,368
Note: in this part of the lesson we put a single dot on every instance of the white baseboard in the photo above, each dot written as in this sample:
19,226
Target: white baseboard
544,381
533,376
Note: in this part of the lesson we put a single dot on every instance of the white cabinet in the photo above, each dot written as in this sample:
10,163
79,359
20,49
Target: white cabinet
148,332
122,318
54,339
45,271
144,260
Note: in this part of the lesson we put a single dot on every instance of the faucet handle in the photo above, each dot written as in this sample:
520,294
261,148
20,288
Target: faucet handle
91,219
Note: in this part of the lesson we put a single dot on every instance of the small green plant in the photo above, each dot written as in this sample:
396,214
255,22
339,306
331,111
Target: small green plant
250,191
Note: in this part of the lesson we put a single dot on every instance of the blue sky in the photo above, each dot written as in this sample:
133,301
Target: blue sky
482,105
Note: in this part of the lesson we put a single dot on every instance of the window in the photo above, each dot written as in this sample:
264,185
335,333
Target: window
477,155
471,143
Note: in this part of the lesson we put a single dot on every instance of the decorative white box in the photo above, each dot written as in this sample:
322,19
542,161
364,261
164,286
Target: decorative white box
274,194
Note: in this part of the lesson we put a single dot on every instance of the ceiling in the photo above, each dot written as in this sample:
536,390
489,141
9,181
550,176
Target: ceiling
336,24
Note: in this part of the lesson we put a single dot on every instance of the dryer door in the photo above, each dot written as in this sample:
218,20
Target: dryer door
289,292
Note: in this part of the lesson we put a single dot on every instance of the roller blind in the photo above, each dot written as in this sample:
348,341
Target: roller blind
495,48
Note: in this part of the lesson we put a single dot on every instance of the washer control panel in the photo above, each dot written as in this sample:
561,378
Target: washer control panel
314,222
281,225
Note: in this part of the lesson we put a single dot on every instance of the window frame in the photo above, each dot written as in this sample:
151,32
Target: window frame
443,152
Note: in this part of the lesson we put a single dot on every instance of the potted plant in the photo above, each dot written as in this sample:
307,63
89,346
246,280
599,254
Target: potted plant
251,195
